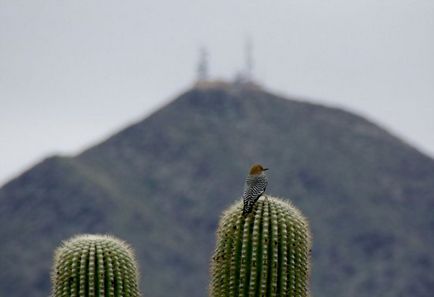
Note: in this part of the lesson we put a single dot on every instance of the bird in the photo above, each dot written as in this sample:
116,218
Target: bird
255,185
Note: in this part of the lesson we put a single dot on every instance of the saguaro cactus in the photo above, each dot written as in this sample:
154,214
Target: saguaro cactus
266,253
94,266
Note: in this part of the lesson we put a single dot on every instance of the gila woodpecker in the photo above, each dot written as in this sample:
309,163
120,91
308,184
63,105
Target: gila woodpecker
255,185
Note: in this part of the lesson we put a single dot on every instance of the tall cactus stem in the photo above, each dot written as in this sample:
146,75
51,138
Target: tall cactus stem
265,253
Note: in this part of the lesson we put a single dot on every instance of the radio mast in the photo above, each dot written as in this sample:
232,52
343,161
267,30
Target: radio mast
202,67
248,52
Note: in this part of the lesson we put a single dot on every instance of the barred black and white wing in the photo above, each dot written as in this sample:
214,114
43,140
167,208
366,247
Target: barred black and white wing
254,188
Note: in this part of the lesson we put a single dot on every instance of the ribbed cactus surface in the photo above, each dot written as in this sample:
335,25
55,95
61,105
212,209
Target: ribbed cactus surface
266,253
94,266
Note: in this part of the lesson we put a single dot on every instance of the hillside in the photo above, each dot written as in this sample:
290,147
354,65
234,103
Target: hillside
162,183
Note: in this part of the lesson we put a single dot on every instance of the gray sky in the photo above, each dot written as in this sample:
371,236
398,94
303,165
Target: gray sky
73,72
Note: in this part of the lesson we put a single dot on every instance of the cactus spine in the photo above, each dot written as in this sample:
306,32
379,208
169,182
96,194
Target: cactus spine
266,253
94,266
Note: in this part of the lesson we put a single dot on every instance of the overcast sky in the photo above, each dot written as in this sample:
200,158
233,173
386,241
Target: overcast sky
73,72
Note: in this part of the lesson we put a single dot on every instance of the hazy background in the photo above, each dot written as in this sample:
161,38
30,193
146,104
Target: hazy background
72,72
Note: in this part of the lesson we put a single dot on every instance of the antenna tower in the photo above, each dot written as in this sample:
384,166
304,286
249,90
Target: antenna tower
202,67
248,48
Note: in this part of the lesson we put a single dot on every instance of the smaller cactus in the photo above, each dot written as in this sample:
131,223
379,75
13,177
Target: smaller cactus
94,266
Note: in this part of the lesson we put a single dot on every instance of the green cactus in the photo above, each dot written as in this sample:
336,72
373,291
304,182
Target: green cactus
266,253
94,266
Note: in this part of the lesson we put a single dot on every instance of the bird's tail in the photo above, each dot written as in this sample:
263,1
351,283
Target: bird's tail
248,207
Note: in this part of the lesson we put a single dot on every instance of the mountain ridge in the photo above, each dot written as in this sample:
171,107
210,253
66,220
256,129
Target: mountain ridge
162,183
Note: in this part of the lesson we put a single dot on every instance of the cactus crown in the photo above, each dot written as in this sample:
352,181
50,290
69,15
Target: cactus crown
94,266
266,253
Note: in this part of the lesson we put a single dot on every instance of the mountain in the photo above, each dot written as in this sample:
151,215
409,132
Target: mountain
162,183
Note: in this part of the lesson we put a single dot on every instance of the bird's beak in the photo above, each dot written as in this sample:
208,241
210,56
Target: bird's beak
265,169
